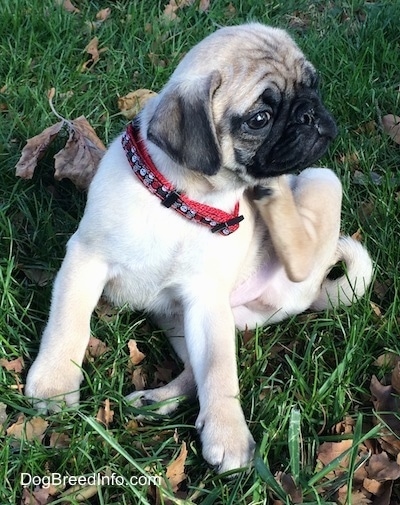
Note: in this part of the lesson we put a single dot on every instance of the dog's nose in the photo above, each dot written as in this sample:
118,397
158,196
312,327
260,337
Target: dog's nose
326,127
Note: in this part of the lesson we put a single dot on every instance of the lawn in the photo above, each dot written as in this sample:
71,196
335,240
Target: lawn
300,379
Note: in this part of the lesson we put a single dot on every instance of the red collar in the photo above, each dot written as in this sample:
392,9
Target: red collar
142,165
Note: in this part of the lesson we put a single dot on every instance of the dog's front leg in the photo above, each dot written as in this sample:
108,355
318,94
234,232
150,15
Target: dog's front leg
210,339
301,212
55,375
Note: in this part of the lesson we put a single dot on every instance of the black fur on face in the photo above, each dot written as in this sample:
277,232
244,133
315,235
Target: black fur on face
283,134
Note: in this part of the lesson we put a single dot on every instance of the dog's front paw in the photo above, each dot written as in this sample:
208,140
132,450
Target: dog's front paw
275,187
226,440
50,387
142,399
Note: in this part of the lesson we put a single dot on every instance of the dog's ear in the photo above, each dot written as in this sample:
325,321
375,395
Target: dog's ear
183,127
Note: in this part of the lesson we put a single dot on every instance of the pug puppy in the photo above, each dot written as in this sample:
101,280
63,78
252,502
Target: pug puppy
170,228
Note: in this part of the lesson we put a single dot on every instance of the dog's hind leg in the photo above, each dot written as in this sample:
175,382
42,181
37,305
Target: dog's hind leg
56,373
183,387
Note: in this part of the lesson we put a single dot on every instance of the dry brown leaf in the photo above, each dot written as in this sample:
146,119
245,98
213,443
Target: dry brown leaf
35,149
38,276
381,288
289,486
387,359
381,468
204,5
344,427
357,235
176,470
139,378
357,497
135,355
93,49
133,102
391,126
37,496
103,14
32,429
15,365
105,311
68,6
59,440
95,348
79,159
376,309
3,416
328,451
105,415
385,402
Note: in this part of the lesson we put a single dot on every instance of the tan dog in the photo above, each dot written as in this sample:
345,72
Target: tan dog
169,228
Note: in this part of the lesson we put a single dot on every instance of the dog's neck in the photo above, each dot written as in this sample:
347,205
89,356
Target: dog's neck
222,189
216,218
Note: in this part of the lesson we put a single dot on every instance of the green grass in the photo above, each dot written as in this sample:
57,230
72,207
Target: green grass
322,365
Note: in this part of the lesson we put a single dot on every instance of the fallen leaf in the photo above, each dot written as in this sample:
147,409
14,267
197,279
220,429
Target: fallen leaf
345,427
357,497
40,276
32,429
395,378
94,51
381,468
105,311
35,149
204,5
37,496
376,309
79,159
105,415
135,355
289,486
176,470
95,348
59,440
328,451
139,378
386,404
133,102
381,288
387,359
68,6
103,14
391,126
3,416
357,235
15,365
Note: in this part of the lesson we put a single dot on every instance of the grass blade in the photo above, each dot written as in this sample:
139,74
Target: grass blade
294,437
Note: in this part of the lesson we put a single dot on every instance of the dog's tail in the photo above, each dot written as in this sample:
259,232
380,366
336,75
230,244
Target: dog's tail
347,288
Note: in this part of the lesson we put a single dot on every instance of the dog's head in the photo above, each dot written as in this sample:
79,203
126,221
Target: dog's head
244,99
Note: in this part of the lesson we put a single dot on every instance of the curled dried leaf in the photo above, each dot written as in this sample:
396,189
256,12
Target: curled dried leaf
105,415
32,429
35,149
103,14
391,126
135,355
131,104
176,470
15,365
95,348
79,159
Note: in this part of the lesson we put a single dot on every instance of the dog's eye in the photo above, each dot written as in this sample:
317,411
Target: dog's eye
259,120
